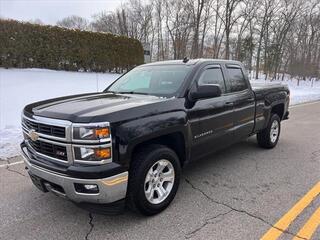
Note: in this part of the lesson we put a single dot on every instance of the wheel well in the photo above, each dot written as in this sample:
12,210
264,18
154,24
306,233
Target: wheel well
279,110
174,141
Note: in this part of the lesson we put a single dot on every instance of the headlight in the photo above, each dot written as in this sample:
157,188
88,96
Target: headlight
91,133
93,154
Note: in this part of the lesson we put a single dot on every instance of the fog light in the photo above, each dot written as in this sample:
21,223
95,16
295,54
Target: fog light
86,188
91,186
103,153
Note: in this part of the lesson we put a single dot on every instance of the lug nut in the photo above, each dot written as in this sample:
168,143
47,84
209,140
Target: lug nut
161,179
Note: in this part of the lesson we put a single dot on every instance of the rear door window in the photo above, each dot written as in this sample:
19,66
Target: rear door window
237,80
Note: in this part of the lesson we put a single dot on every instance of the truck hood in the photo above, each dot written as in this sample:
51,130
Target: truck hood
95,107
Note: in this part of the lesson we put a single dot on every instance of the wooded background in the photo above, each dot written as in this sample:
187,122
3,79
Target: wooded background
273,37
269,36
26,45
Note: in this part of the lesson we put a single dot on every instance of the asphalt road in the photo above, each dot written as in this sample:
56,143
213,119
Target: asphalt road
238,193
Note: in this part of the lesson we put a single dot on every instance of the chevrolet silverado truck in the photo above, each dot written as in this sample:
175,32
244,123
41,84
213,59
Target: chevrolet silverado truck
126,146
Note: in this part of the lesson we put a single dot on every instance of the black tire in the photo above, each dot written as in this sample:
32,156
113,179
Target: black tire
142,161
264,137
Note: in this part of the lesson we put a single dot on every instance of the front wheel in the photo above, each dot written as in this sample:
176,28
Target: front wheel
153,179
269,137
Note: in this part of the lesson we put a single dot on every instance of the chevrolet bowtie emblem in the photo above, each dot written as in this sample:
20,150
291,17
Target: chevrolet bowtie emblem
33,135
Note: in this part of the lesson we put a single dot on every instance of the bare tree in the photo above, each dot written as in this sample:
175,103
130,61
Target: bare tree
105,22
276,36
122,21
303,53
74,22
218,32
177,23
205,28
267,11
159,19
196,8
247,14
229,20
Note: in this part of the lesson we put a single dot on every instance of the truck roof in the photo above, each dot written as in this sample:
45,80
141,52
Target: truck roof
192,62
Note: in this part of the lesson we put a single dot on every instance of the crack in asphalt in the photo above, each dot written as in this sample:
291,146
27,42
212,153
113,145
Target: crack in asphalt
91,226
11,170
315,154
240,210
207,221
14,171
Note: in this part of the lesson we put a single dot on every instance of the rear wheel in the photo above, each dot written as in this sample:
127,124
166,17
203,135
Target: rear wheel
269,137
153,179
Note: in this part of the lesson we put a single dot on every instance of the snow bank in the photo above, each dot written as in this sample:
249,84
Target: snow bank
19,87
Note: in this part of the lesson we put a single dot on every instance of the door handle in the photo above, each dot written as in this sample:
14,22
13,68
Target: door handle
229,103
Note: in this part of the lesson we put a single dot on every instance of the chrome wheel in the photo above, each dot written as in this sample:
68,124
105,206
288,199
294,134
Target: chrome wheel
159,181
274,131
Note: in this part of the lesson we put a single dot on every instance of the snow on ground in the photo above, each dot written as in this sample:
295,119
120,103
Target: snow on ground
18,87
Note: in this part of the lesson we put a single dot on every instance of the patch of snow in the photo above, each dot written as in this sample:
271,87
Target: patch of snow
10,139
19,87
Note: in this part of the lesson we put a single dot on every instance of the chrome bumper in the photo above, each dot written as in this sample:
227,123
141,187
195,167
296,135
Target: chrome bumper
111,189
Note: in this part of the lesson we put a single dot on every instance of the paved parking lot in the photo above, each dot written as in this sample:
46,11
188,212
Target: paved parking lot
243,192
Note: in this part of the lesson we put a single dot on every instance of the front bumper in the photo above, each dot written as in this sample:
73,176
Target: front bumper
111,189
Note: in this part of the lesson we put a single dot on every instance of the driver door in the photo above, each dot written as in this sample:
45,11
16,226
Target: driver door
214,115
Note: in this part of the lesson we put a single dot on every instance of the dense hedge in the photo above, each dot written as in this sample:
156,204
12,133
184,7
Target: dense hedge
25,45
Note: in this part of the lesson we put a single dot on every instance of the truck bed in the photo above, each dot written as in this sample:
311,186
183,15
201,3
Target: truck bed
268,87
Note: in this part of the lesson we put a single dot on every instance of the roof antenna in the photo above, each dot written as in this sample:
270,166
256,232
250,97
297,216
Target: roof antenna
185,60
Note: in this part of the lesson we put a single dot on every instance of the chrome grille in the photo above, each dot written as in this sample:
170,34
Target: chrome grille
51,139
49,149
46,129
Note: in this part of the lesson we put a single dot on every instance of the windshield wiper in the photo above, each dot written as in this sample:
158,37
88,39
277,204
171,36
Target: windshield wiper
132,92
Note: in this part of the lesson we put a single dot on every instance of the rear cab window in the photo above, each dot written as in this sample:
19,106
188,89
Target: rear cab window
237,80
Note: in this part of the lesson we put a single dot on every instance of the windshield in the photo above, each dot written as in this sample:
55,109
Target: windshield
164,81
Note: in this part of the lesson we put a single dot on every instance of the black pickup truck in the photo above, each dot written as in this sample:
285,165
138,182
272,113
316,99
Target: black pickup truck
126,145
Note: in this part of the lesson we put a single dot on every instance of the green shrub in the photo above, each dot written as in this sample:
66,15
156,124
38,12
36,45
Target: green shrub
25,45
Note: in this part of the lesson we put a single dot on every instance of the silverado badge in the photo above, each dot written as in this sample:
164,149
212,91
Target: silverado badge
33,135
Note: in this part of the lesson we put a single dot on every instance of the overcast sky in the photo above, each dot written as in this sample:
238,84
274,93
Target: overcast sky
50,11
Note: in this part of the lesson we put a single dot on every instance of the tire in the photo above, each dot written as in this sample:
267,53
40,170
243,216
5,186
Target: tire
149,160
269,137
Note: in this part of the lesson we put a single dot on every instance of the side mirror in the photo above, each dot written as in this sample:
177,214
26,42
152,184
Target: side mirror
204,91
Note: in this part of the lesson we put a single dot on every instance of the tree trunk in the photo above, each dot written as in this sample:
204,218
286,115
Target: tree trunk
258,55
